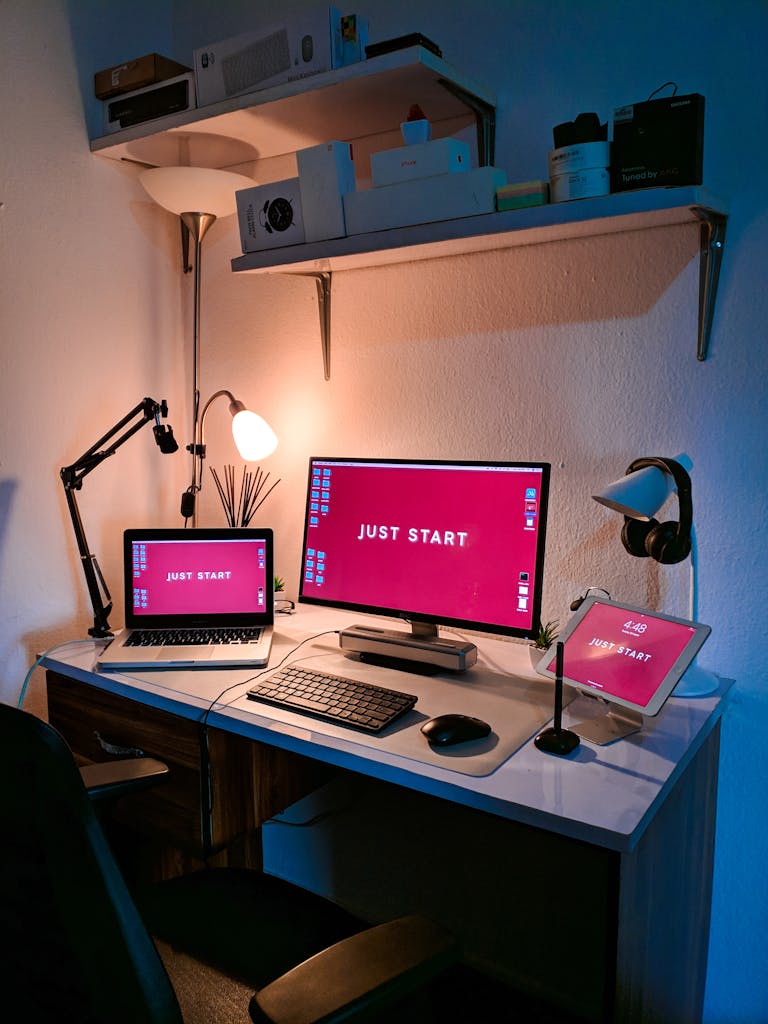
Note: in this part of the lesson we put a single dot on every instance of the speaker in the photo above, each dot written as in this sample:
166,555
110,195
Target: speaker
668,542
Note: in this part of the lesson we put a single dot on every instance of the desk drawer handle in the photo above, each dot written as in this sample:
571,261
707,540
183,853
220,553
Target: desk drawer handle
112,748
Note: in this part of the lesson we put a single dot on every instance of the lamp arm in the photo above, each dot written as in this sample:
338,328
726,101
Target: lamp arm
72,479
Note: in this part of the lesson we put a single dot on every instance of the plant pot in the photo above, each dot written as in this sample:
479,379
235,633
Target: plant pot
536,654
416,131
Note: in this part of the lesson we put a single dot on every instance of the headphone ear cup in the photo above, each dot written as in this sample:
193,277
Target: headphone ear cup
664,544
634,534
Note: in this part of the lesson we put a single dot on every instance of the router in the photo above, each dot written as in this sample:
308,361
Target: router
423,647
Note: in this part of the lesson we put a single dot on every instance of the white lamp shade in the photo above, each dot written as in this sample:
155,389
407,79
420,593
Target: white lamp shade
641,494
194,189
254,437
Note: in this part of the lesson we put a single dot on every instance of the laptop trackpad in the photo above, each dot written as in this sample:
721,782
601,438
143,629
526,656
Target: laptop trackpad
180,655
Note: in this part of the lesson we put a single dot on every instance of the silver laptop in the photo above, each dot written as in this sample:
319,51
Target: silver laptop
195,598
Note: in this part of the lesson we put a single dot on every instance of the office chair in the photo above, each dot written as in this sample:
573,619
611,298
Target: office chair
76,947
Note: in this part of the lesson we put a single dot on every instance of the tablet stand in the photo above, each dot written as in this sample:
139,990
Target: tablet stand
615,725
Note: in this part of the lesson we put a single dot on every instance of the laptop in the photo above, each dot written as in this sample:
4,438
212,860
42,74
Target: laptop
195,598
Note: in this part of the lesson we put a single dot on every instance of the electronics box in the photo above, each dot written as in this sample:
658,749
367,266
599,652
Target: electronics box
520,195
135,74
422,160
350,38
153,101
326,174
658,143
282,52
269,216
423,201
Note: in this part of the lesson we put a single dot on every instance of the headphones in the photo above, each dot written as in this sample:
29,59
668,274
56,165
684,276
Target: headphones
664,542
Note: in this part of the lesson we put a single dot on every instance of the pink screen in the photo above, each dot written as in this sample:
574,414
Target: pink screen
200,577
623,654
448,542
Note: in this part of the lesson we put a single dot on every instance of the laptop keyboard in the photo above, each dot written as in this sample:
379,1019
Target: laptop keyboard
334,698
193,637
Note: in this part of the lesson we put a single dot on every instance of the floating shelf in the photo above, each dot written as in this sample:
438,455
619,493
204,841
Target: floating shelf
356,102
623,211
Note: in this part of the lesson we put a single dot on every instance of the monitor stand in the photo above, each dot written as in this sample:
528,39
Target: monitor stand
422,646
615,725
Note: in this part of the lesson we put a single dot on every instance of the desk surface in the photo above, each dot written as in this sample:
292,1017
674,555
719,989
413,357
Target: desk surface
605,795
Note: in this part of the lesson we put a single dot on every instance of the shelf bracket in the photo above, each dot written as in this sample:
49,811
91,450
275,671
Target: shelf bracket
323,283
712,241
485,120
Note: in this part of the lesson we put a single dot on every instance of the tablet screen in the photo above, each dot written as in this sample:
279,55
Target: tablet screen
627,655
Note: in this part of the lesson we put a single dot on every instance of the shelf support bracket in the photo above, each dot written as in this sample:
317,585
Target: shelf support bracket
712,241
485,119
323,279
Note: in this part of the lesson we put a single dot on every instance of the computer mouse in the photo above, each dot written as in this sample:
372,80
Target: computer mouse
446,730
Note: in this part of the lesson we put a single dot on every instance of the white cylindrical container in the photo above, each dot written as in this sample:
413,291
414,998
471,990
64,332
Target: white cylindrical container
579,172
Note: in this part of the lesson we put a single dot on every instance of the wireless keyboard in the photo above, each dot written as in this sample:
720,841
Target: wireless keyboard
334,698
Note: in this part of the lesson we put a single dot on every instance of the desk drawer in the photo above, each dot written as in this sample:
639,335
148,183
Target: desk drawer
208,802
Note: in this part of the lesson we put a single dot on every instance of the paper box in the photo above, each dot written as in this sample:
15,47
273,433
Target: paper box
442,197
350,38
135,74
270,216
658,142
282,52
422,160
157,100
326,174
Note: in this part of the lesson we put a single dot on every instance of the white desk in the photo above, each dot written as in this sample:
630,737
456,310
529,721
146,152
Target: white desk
644,805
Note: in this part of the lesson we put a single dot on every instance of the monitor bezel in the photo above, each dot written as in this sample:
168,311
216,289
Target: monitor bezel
406,614
673,676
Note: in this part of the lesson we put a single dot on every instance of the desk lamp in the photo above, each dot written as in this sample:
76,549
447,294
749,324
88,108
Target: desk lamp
638,496
72,479
187,192
253,436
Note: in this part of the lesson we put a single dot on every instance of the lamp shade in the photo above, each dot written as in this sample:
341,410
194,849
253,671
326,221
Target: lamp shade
194,189
254,437
640,495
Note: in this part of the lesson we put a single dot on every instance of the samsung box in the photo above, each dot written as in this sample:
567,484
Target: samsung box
659,142
140,105
269,216
423,201
284,51
135,74
422,160
326,174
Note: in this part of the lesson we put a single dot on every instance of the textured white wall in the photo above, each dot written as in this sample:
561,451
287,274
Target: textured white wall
581,352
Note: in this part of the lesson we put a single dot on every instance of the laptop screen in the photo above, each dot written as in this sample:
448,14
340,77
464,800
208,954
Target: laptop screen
192,577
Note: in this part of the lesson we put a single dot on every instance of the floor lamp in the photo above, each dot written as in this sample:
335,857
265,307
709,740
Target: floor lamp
198,195
639,495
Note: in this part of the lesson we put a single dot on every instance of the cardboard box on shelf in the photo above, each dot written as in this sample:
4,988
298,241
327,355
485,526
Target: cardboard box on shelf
269,216
657,143
281,52
422,160
326,174
443,197
135,74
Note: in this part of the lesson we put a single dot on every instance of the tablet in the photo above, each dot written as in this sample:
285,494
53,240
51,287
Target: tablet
626,655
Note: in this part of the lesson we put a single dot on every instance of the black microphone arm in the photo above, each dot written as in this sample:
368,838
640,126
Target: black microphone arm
72,479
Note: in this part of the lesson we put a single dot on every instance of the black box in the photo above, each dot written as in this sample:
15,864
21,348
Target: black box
657,143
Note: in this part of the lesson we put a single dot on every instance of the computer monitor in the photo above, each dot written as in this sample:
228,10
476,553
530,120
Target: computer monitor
432,542
628,656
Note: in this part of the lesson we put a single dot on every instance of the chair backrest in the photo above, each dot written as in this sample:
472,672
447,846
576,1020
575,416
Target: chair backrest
74,946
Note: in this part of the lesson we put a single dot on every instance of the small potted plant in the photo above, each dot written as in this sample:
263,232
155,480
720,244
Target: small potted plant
416,127
545,637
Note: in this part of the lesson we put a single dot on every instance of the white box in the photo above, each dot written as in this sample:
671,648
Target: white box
326,174
422,160
270,216
281,52
423,201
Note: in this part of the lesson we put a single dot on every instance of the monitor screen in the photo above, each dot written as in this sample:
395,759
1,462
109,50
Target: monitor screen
453,543
195,576
627,655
